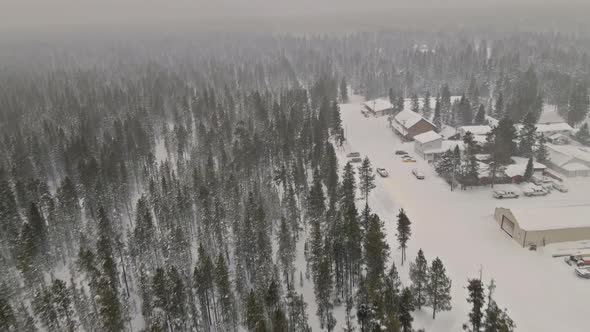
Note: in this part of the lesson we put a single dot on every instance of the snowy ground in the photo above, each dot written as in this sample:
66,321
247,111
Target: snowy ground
541,293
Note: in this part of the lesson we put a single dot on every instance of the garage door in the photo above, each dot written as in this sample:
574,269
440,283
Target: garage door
507,225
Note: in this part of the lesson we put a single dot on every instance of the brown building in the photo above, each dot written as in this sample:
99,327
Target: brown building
408,124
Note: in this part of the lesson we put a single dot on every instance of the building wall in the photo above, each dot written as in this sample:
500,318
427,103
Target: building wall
538,237
419,148
419,128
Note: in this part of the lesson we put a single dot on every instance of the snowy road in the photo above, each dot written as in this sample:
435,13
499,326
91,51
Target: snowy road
540,292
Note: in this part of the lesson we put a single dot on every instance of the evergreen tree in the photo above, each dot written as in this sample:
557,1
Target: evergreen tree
415,103
476,298
7,317
470,172
480,116
392,290
224,292
419,275
437,119
337,131
496,320
343,90
500,141
405,310
439,288
376,254
583,134
499,106
542,154
465,111
426,107
403,232
528,172
348,186
579,104
366,178
254,314
287,250
528,135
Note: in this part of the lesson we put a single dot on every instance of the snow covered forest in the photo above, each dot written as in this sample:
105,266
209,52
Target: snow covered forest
193,184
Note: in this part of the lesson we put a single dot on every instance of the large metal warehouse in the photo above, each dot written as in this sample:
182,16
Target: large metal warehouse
544,225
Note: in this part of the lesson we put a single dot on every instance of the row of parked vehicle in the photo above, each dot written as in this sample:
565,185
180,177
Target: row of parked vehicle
537,187
581,263
355,157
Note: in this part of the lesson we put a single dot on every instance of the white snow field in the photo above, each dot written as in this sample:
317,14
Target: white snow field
541,293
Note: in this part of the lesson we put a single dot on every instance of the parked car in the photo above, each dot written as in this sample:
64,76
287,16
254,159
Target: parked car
583,262
353,154
418,174
505,194
583,272
382,172
534,190
356,160
559,186
408,159
540,180
400,152
548,187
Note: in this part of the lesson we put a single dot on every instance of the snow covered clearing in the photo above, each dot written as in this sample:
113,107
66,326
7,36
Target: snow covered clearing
541,293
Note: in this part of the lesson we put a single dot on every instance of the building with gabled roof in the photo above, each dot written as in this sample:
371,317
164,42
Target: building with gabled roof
408,124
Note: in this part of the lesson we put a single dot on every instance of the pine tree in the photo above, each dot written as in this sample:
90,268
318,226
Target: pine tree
63,305
376,255
480,117
439,288
7,317
254,314
465,111
470,172
528,135
403,232
279,321
583,134
348,186
499,106
405,310
224,292
426,107
330,174
528,172
419,275
366,178
286,251
415,103
500,141
437,119
337,131
476,298
542,154
496,320
579,104
392,290
343,90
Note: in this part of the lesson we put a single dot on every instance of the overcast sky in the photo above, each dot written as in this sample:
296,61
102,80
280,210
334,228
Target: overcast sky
24,14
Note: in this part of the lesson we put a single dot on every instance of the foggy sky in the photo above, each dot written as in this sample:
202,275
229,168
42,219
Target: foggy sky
40,12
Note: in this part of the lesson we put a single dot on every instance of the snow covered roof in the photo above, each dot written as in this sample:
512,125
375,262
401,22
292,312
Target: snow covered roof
552,217
492,121
575,167
446,146
377,105
557,135
447,131
408,118
426,137
549,127
480,139
569,151
476,130
519,167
